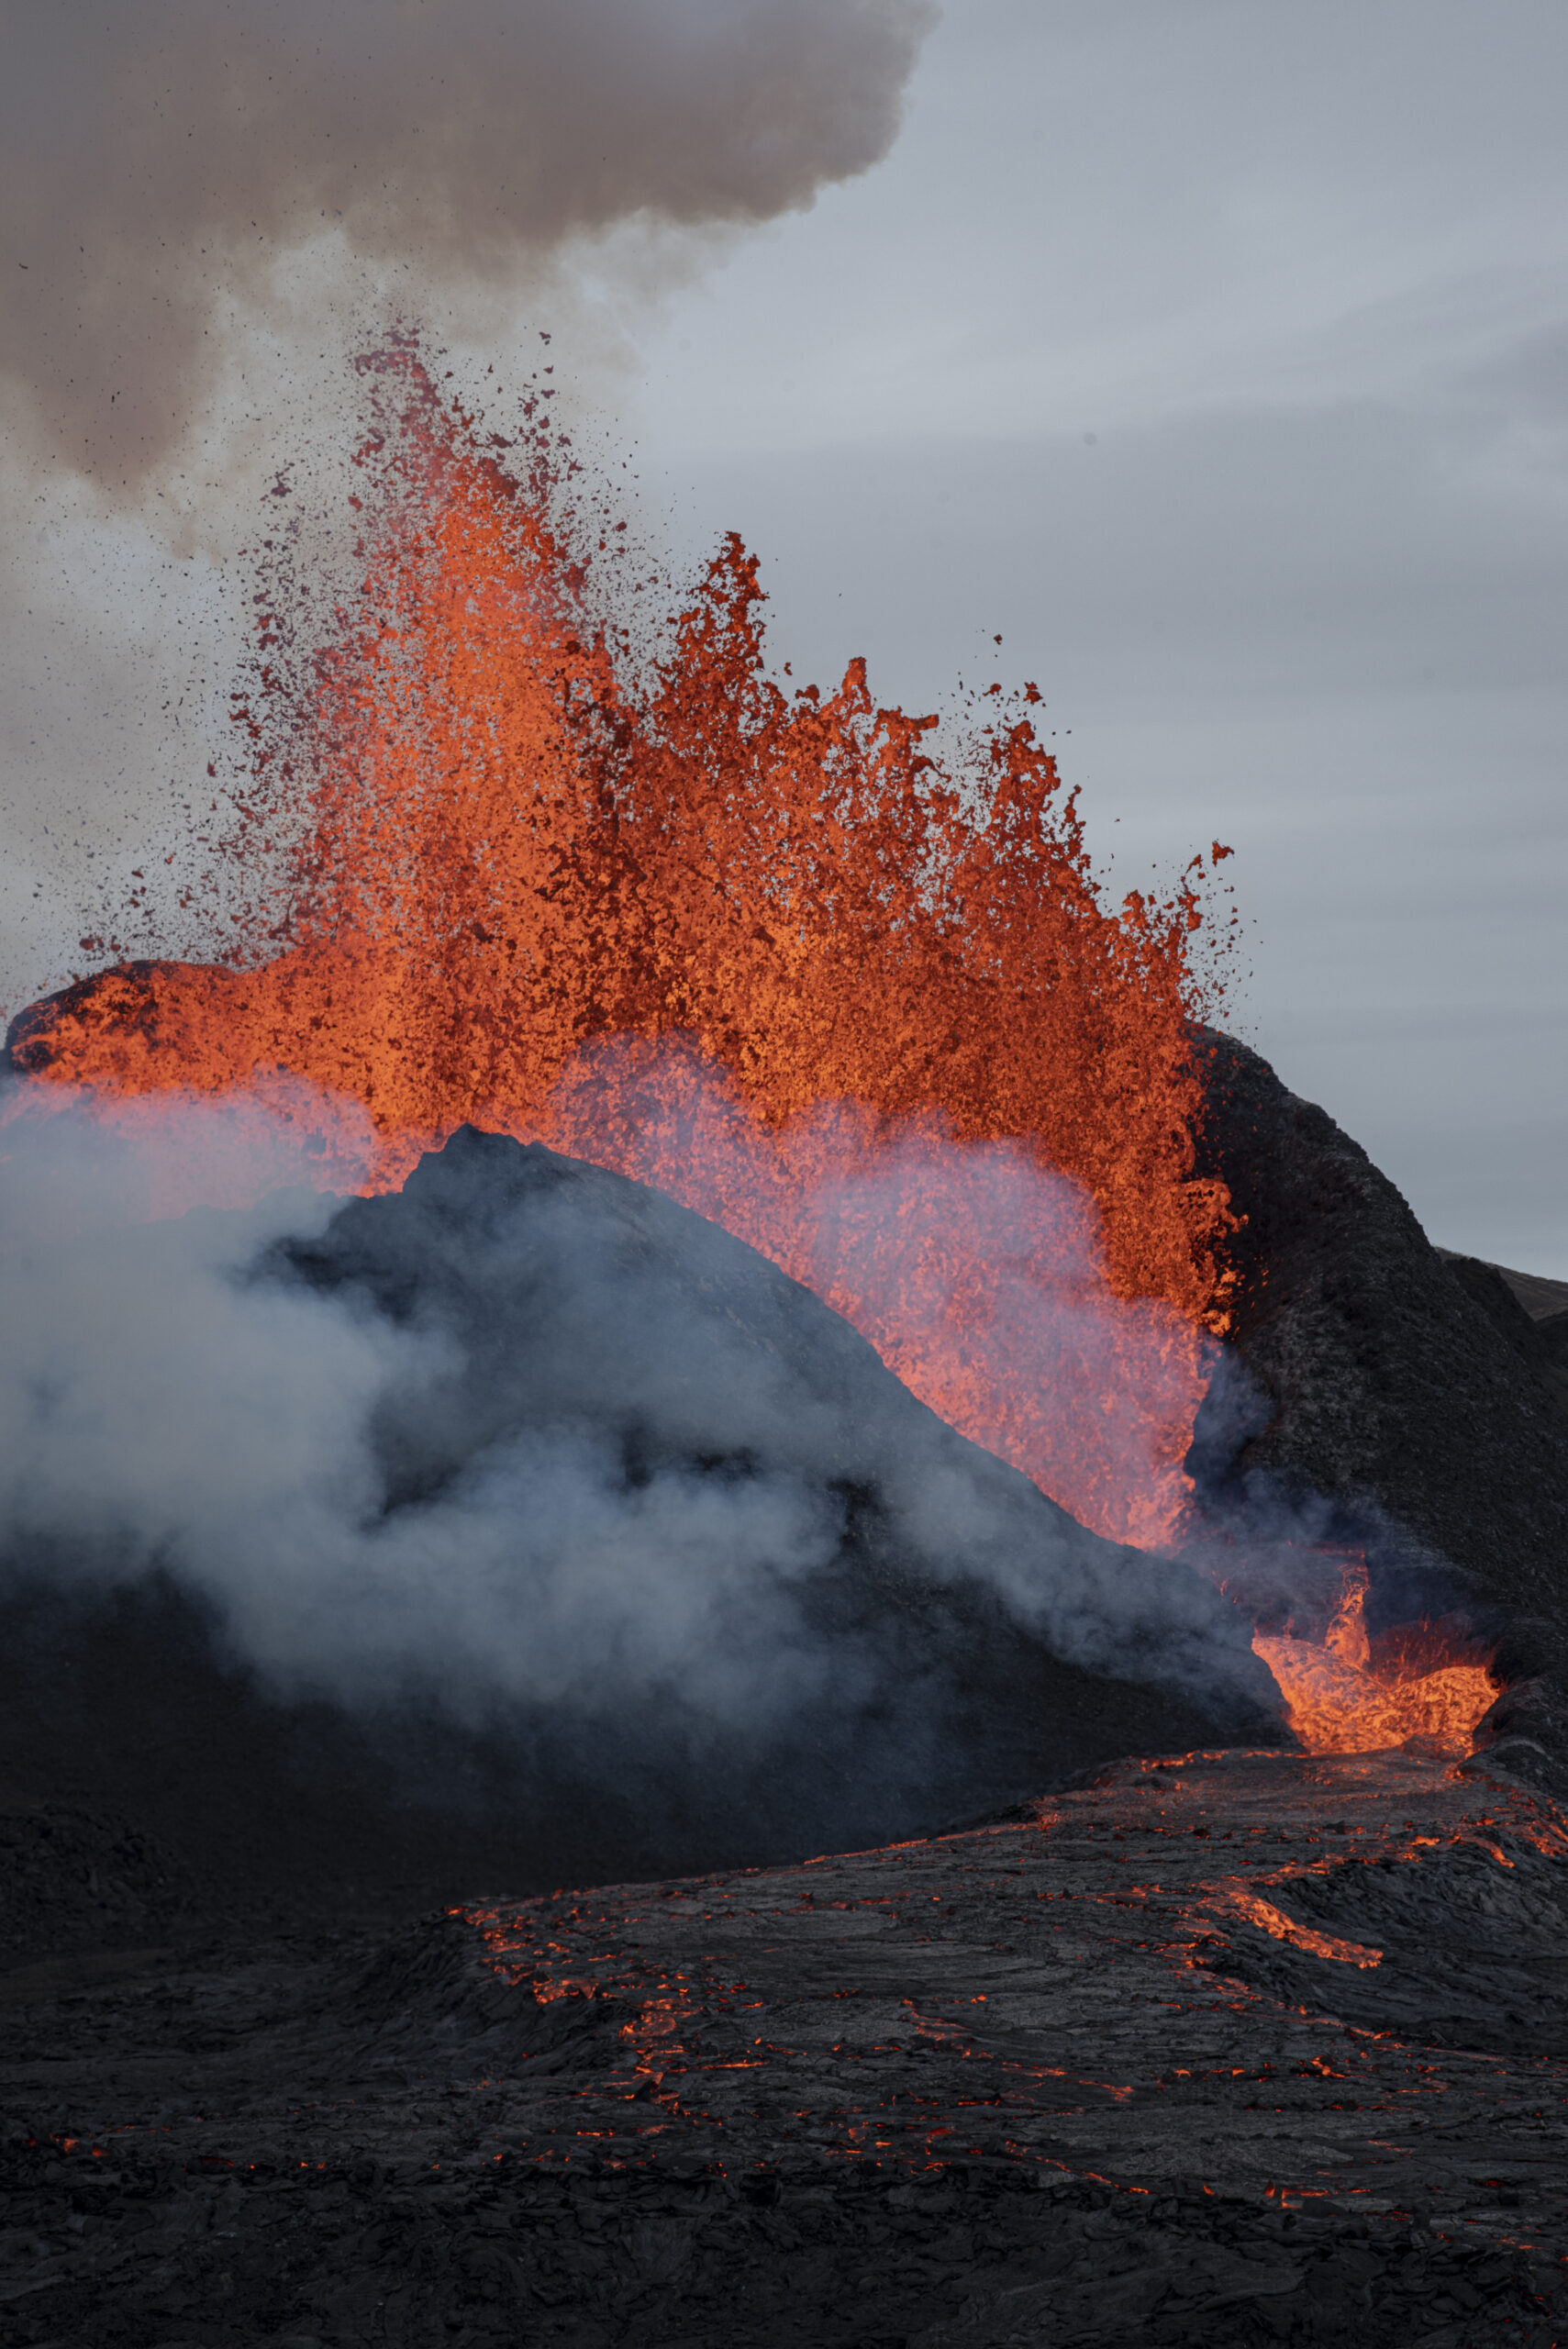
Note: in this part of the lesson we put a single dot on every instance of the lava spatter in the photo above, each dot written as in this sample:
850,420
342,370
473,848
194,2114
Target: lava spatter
1342,1700
749,942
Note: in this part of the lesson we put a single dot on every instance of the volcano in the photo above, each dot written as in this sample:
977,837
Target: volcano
1282,2034
947,1641
839,1636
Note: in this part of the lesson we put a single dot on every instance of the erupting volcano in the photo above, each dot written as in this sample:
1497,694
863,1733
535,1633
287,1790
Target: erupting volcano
499,853
828,1351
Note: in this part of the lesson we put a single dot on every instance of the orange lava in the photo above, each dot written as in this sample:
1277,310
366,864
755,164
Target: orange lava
1280,1928
492,860
1339,1703
736,939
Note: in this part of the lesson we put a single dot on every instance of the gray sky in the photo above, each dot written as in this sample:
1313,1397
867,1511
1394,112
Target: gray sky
1303,274
1215,352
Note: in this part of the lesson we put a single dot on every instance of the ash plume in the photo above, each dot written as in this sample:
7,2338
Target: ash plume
160,163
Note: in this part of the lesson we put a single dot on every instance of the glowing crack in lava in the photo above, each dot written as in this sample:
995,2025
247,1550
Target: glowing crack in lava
497,857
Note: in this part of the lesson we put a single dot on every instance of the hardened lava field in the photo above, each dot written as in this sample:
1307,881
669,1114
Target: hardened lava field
1233,2048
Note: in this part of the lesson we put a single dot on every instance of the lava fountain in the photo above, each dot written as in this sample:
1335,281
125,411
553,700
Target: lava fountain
494,852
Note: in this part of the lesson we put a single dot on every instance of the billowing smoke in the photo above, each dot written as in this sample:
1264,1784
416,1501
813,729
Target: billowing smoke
1279,1545
163,163
160,1410
526,1435
978,1273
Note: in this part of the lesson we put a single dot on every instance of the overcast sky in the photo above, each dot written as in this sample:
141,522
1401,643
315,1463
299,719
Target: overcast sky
1216,353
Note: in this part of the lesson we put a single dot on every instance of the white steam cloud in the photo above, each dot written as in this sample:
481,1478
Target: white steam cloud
161,1412
164,1408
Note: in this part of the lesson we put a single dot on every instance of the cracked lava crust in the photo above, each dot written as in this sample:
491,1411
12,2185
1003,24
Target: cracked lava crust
1235,2048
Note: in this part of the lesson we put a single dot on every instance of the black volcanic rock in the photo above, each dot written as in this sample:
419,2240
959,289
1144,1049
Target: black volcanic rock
1002,2087
1538,1334
1407,1388
1543,1299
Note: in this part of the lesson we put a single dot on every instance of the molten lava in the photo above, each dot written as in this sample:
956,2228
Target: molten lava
496,863
1339,1701
734,940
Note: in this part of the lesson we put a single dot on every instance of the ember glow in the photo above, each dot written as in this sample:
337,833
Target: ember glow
1280,1928
498,855
1341,1702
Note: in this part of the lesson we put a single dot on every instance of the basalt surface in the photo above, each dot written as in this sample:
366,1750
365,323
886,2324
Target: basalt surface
1395,1398
1409,1386
1232,2049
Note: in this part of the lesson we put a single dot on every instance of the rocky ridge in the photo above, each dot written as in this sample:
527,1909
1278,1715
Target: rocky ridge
1393,1397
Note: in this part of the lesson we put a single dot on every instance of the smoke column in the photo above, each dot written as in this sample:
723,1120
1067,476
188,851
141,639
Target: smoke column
160,163
206,204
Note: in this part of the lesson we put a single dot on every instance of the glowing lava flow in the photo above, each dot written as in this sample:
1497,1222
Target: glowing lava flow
1339,1703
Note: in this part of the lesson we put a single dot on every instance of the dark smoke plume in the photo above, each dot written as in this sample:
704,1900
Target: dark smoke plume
159,162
